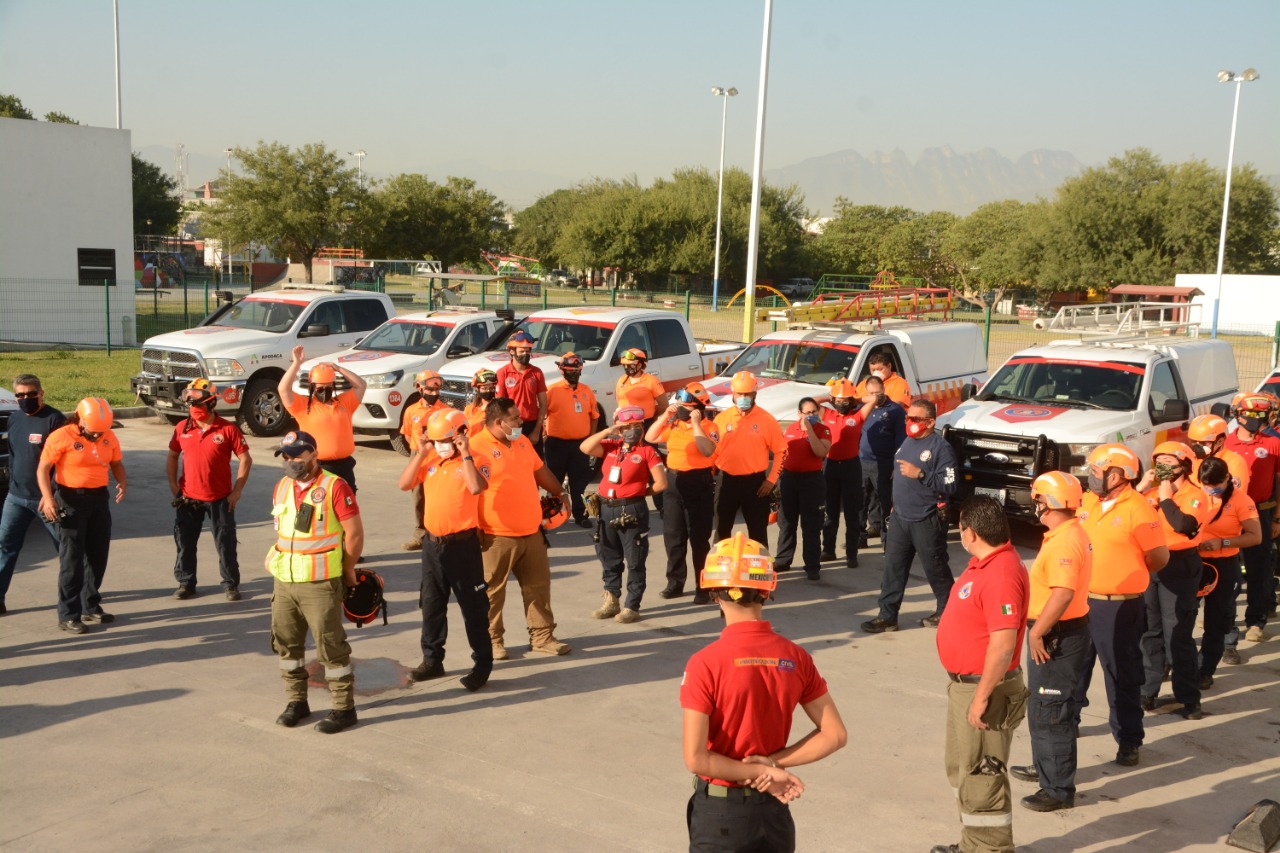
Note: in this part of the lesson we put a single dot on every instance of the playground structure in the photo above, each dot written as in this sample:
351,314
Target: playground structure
854,305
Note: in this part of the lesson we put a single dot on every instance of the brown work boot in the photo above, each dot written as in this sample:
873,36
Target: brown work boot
499,650
414,544
626,616
550,646
608,609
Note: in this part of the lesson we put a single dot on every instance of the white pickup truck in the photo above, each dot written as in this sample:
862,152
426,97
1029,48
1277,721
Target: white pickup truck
8,409
244,348
393,353
600,335
936,358
1049,406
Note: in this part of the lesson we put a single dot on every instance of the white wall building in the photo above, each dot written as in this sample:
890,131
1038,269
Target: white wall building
66,225
1250,303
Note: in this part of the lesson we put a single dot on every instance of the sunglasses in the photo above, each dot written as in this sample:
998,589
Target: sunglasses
26,395
912,419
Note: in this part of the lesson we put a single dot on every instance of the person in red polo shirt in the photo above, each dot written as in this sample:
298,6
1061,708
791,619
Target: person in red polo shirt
842,471
205,444
800,483
739,696
978,639
1262,454
525,385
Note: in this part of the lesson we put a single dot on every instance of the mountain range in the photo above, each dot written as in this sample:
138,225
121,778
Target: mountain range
939,179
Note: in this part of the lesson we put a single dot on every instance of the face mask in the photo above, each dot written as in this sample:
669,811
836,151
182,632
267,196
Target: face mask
324,395
633,368
881,399
1202,450
486,395
200,413
842,406
430,399
444,449
631,436
744,404
522,357
813,418
296,469
92,436
513,434
572,377
1098,485
879,374
683,414
29,405
1040,510
1215,491
1165,471
915,430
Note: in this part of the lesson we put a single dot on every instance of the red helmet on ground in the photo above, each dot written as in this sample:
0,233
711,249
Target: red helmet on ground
364,600
95,414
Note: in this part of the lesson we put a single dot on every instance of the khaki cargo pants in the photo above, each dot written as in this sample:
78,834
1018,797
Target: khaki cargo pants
526,558
297,607
978,763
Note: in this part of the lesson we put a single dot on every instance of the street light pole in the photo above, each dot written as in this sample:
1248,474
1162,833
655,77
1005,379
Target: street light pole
1246,76
359,155
721,92
115,14
757,179
226,249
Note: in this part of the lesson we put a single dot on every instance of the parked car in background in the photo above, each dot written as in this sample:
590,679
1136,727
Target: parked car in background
8,408
797,288
563,278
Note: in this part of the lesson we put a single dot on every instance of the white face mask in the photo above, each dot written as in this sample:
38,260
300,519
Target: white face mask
444,449
513,434
881,374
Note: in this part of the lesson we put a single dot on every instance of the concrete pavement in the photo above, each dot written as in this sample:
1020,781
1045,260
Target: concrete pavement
156,732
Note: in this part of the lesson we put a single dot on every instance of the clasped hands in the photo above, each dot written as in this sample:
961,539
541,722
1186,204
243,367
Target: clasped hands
775,780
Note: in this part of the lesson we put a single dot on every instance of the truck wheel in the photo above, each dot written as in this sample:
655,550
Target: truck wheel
262,411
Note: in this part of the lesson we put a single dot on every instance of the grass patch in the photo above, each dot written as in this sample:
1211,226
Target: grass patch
69,376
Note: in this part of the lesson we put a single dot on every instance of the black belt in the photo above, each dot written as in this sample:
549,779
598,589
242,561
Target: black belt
702,786
1064,624
615,502
469,533
66,490
974,679
689,473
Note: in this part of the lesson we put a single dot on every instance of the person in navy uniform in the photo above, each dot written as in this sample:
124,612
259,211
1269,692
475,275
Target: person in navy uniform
882,434
923,479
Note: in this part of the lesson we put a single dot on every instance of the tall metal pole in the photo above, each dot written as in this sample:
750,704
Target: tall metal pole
226,250
724,118
115,12
1228,77
757,167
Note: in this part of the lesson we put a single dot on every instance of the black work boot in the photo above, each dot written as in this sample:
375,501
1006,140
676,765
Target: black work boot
475,679
294,713
336,721
426,671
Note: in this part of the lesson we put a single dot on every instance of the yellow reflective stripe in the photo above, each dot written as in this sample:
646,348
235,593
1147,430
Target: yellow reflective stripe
337,672
308,545
290,665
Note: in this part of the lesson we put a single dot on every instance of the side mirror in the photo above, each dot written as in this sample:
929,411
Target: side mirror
968,391
1175,410
458,351
616,360
315,330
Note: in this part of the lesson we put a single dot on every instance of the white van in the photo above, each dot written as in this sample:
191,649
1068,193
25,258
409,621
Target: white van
1049,406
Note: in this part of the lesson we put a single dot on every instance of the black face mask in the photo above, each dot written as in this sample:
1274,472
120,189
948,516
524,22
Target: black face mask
92,436
324,395
486,395
430,399
522,357
296,469
572,377
633,369
842,406
683,414
29,405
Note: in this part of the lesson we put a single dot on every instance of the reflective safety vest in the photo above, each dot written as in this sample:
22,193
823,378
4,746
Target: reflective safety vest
314,554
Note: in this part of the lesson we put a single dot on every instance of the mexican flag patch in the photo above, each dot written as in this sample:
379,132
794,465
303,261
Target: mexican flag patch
1006,609
1195,503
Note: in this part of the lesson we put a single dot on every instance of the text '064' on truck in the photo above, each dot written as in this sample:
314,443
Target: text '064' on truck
244,349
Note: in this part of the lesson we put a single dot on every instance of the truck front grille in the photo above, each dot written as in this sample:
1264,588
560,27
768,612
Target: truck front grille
1016,458
171,364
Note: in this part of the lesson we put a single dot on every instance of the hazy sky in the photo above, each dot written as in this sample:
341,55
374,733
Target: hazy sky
580,88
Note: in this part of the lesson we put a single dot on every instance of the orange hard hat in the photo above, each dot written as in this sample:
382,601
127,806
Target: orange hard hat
322,374
634,354
445,424
1175,449
699,392
198,391
843,388
95,414
743,382
1113,455
484,376
1059,489
422,377
1206,428
554,512
739,563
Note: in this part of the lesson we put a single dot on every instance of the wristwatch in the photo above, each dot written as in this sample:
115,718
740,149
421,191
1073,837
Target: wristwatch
920,476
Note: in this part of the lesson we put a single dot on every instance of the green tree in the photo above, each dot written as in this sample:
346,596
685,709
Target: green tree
538,226
915,248
413,217
852,240
59,118
295,202
993,249
11,107
155,198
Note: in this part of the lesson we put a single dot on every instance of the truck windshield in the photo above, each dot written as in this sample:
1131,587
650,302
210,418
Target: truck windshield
557,337
802,361
1065,382
407,337
260,314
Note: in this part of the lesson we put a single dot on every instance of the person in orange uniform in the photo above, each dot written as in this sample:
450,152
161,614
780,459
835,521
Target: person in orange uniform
1208,435
895,387
627,465
1234,526
511,537
842,471
484,387
1057,641
524,383
413,423
808,441
82,452
572,415
749,460
325,414
451,559
739,696
690,437
979,635
1171,600
1128,546
636,387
